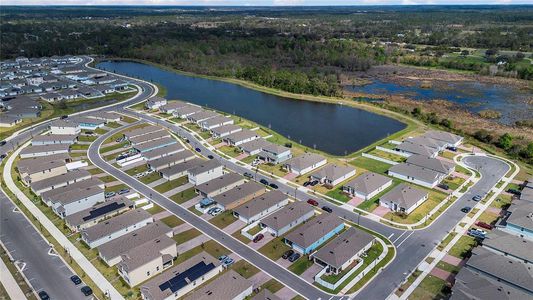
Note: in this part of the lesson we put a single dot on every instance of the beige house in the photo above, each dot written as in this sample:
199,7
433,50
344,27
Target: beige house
41,170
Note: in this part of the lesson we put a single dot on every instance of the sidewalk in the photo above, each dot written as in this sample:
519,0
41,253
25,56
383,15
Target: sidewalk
76,254
9,283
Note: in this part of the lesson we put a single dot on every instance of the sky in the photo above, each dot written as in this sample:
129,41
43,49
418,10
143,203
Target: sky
258,2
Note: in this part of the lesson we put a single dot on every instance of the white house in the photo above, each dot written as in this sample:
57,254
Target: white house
261,206
332,174
241,137
305,163
206,171
416,174
403,198
76,200
285,219
65,126
367,185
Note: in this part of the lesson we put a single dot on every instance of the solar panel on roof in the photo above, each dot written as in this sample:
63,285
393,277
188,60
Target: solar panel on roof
103,210
181,280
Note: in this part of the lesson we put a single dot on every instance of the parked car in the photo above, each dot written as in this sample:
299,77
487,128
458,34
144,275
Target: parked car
287,254
294,257
109,194
2,156
198,149
514,192
2,143
75,279
264,181
215,211
211,210
454,149
187,140
43,295
139,175
444,186
89,133
63,117
274,186
247,175
307,183
228,262
475,233
123,191
327,209
87,291
210,156
313,183
466,209
484,225
258,237
222,258
476,198
481,231
312,202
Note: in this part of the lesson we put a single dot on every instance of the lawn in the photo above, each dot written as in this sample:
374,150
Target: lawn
502,201
303,263
448,267
387,155
244,268
334,278
339,194
272,285
167,186
372,203
463,246
431,288
488,217
136,170
230,151
448,154
116,188
172,221
113,125
128,119
113,147
187,235
453,182
100,131
446,240
462,170
420,212
85,138
155,209
107,179
274,249
79,147
214,249
150,178
223,220
371,165
95,171
184,196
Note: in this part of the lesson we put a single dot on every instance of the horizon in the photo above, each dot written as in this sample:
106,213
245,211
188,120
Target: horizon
265,3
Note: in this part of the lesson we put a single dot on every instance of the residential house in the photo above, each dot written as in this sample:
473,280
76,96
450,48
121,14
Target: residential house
41,169
452,140
92,215
205,171
149,129
170,160
225,130
239,195
183,278
260,206
51,139
411,148
241,137
171,106
470,284
106,116
403,198
9,121
344,250
180,170
434,164
163,151
274,154
155,144
416,174
305,239
186,111
202,116
427,142
332,174
253,147
367,185
89,123
219,185
518,219
44,150
305,163
265,294
228,286
290,216
510,245
115,227
147,260
215,122
76,200
62,180
65,126
138,140
87,183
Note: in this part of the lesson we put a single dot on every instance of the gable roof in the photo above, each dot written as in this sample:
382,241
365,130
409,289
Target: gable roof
368,182
314,229
404,195
344,247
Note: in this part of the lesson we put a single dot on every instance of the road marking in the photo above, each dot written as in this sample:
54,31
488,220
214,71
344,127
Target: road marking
391,235
405,239
399,236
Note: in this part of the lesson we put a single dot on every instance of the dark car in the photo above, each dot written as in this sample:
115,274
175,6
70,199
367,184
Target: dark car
2,156
514,192
2,143
444,186
312,202
187,140
313,183
63,117
327,209
287,254
476,198
75,279
454,149
89,133
198,150
294,257
264,181
274,186
466,209
210,156
123,191
247,175
43,295
87,291
484,225
258,237
307,183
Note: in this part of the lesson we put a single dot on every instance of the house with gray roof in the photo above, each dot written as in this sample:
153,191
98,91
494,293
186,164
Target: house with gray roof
241,137
51,139
186,111
155,144
65,126
509,245
171,106
155,102
106,116
147,260
225,130
115,227
427,142
239,195
470,284
219,185
92,215
403,198
502,268
180,170
44,150
201,116
287,218
205,171
332,174
367,185
229,285
93,181
265,294
183,278
138,140
111,251
416,174
434,164
452,140
76,200
261,206
344,250
518,219
305,239
62,180
163,151
408,149
253,147
170,160
215,122
148,129
274,153
304,163
41,170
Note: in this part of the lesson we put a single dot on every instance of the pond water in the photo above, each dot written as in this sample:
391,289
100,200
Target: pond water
474,96
335,129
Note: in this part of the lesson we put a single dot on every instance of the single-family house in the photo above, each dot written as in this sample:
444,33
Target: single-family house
367,185
305,163
285,219
427,142
44,150
260,206
332,174
50,183
65,126
180,170
205,171
186,111
305,239
106,116
225,130
163,151
510,245
344,250
228,286
470,284
274,154
92,215
239,195
155,102
253,147
89,123
215,122
51,139
434,164
171,106
170,160
241,137
219,185
76,200
41,169
202,116
138,140
518,219
154,144
416,174
451,139
411,148
83,184
403,198
148,129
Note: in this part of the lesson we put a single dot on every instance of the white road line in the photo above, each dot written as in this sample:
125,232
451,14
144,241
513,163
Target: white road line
391,235
399,237
398,246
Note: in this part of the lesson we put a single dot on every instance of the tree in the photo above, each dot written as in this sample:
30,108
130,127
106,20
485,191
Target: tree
446,123
505,141
483,136
416,111
527,152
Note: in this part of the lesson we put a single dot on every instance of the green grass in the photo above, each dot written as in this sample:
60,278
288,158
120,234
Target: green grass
128,119
303,263
371,204
187,235
272,285
224,219
462,170
116,188
167,186
244,268
113,125
172,221
431,287
371,165
214,249
463,246
107,179
448,267
421,211
453,182
155,209
446,240
136,170
150,178
100,131
113,147
95,171
502,201
274,249
85,138
513,186
184,196
79,147
338,194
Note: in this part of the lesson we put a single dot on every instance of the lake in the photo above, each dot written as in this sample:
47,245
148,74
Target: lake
334,129
473,96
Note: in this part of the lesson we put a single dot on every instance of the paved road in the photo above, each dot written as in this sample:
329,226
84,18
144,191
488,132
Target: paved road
283,275
26,245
